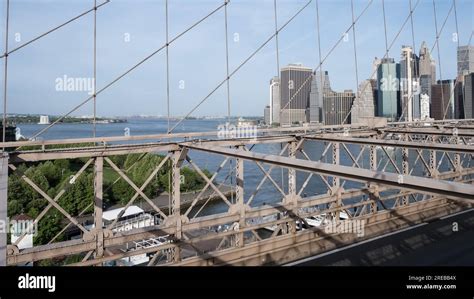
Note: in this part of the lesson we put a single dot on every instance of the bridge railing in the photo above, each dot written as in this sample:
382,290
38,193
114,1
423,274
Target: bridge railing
361,174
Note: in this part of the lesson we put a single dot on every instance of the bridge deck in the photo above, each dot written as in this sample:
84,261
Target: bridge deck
427,244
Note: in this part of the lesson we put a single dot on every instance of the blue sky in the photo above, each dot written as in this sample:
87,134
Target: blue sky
198,58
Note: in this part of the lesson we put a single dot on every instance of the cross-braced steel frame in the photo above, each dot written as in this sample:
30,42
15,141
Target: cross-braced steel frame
388,177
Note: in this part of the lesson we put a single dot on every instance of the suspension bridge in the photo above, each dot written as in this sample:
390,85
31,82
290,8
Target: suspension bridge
393,176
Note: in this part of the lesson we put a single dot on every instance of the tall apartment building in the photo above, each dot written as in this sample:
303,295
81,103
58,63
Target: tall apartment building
427,65
458,98
388,77
316,114
363,105
266,115
442,100
469,96
274,101
427,75
409,70
425,85
337,106
295,91
465,60
375,67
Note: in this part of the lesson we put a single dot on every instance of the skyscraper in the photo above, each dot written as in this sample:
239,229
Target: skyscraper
424,107
469,96
388,77
425,85
266,115
315,107
274,101
458,98
375,93
295,93
427,66
427,75
409,101
363,105
465,60
316,96
442,100
375,66
337,106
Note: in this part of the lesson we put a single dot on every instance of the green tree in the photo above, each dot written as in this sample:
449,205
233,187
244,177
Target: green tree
48,227
62,164
14,208
79,195
35,205
51,172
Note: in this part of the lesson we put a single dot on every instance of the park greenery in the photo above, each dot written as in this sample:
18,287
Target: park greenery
53,176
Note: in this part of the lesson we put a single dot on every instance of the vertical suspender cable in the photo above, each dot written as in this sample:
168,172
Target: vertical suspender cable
385,28
355,54
4,123
276,39
321,86
227,60
355,61
457,40
275,14
167,67
231,169
168,101
95,70
386,40
355,47
413,37
413,64
439,61
413,55
387,47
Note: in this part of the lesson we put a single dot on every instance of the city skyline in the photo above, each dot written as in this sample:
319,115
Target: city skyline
404,90
144,90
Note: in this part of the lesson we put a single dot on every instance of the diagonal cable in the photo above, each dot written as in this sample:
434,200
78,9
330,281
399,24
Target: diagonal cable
131,69
239,67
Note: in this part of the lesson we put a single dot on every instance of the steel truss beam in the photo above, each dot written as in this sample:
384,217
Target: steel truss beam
457,148
78,246
421,131
98,242
286,248
422,185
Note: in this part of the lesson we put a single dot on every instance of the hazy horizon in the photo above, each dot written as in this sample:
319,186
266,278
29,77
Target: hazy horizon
128,31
